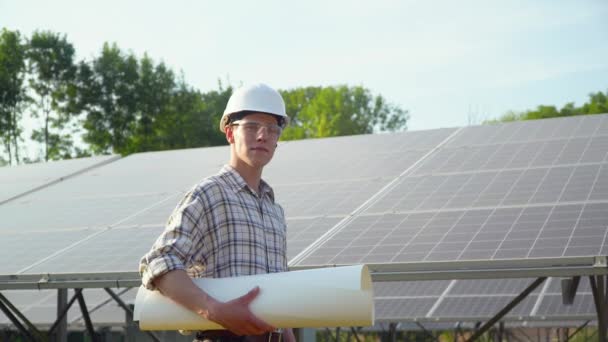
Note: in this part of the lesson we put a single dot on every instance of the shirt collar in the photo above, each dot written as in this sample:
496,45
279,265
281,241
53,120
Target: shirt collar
236,181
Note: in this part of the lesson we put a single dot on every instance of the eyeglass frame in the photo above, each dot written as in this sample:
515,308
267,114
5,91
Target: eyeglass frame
260,125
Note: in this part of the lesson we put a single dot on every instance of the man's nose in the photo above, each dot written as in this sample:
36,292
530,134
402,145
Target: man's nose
262,134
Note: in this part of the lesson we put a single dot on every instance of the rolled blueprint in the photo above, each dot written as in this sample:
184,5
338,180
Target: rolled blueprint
322,297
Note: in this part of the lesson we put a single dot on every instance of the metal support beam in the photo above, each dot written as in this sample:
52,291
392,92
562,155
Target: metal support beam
128,310
12,311
569,287
507,309
425,331
16,322
118,300
355,333
62,328
598,287
64,312
85,315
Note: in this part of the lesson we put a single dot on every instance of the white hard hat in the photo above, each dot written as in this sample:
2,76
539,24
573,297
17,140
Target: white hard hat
255,98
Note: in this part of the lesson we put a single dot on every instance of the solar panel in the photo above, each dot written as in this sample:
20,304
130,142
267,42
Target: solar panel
34,215
17,180
302,232
23,249
113,250
478,307
522,190
516,191
533,130
392,309
504,233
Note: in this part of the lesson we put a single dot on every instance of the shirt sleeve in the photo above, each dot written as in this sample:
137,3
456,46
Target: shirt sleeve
176,245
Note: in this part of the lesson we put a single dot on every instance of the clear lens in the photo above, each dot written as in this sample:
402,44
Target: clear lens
254,127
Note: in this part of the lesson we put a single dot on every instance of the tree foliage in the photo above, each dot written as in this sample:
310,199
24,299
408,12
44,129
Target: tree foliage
317,112
597,104
51,78
12,92
108,97
124,104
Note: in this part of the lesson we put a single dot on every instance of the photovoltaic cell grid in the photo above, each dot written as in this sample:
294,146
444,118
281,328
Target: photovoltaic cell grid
17,180
114,250
364,166
134,195
141,191
24,249
522,198
485,234
533,130
471,300
301,232
350,157
327,198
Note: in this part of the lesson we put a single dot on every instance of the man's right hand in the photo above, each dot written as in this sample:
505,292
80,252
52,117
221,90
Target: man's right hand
233,315
236,316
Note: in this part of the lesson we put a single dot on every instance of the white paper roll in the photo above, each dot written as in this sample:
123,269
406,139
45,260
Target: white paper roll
323,297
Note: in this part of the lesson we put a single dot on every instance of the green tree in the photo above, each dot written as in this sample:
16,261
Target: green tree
317,112
108,95
193,118
12,91
155,88
598,104
52,74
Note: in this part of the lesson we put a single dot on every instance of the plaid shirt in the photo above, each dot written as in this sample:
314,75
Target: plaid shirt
222,228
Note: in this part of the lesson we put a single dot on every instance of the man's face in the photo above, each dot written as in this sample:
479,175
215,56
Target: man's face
254,139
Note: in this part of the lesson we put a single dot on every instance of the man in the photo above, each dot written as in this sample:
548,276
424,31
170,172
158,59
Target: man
228,225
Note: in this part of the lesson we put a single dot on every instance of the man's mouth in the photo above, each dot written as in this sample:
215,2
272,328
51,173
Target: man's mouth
260,149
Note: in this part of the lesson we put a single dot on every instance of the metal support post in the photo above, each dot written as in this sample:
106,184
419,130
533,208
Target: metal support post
507,309
569,287
62,327
64,312
392,332
598,287
129,311
85,315
499,333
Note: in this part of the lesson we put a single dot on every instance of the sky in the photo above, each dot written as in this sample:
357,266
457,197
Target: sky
449,63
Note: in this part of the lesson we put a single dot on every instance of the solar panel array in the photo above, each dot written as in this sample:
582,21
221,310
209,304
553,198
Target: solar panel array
519,190
512,191
492,192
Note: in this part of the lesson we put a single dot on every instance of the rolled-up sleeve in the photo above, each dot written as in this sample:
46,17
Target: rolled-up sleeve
174,248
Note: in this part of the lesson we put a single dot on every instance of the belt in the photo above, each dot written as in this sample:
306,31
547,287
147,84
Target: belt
227,336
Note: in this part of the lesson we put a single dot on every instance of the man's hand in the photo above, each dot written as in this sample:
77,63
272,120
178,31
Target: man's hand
233,315
236,316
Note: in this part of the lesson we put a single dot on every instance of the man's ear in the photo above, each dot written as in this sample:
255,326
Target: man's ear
229,134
